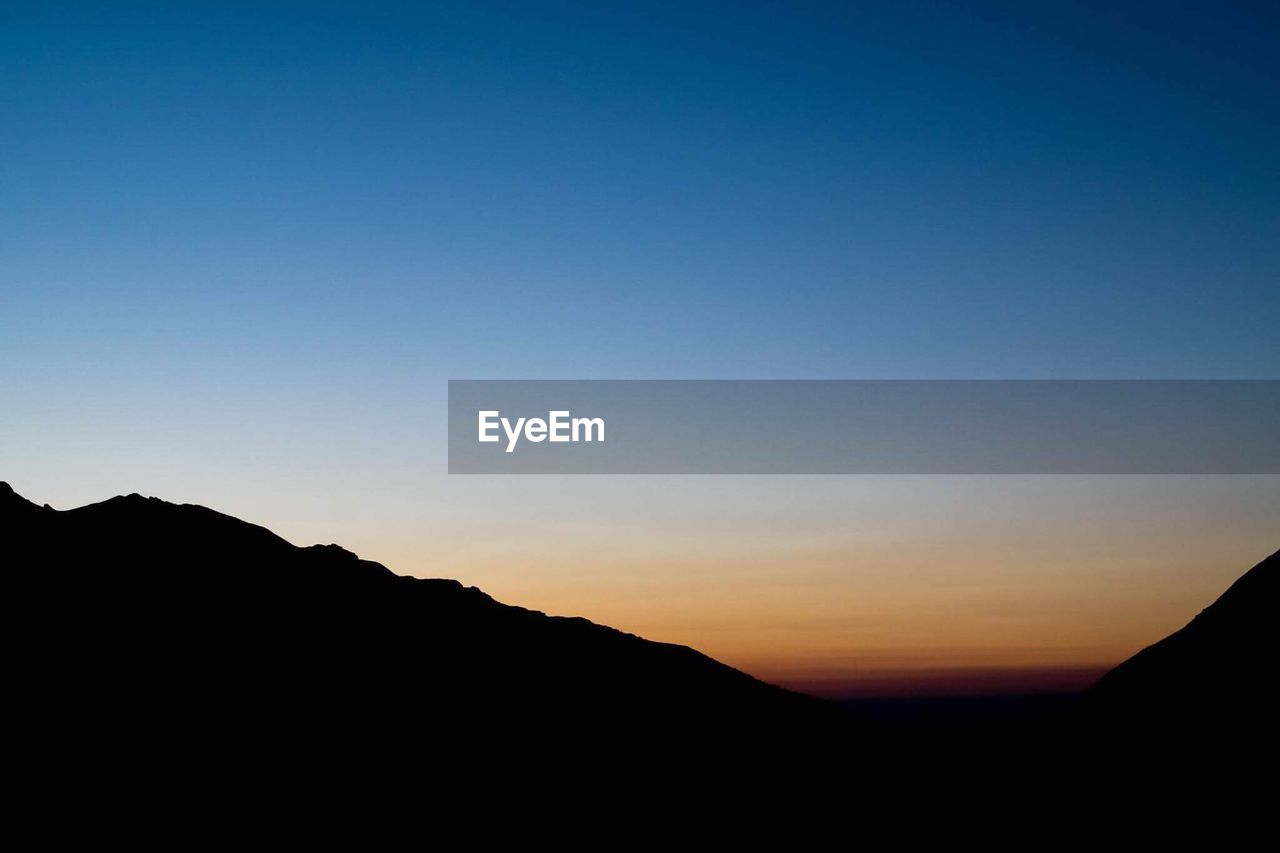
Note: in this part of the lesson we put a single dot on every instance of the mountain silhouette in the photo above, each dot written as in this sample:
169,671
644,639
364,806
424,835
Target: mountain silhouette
1214,677
174,636
152,621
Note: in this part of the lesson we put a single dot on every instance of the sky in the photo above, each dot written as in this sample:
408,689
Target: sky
244,246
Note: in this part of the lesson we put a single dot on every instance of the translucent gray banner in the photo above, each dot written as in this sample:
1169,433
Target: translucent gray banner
864,427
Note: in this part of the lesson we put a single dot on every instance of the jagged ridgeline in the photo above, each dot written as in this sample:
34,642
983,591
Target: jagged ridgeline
151,628
164,617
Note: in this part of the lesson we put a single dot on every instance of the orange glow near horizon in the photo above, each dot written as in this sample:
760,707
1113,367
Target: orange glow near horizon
944,682
842,587
985,605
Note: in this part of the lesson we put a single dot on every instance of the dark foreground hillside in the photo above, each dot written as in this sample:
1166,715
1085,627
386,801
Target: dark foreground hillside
154,634
175,626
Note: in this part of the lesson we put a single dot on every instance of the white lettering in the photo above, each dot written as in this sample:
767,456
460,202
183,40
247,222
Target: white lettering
485,426
588,423
513,435
558,427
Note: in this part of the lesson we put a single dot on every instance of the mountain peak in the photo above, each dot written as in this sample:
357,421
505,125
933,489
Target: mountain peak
9,499
132,497
196,609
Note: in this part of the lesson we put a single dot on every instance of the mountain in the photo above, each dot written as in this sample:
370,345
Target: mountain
175,627
145,633
1213,678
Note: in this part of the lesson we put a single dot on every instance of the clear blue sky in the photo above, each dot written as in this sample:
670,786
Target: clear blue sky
693,189
243,245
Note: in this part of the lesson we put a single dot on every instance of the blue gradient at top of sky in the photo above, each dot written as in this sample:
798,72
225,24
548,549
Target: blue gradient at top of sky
280,198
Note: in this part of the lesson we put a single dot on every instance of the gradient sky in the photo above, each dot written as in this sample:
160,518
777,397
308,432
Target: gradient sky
243,246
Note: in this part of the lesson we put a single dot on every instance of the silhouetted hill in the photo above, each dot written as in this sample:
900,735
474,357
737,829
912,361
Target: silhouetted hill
1213,678
159,623
175,637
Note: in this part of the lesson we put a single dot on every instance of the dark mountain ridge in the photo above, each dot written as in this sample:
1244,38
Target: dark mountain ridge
163,632
170,618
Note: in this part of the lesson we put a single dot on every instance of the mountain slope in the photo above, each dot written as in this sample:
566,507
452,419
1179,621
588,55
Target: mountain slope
155,620
1216,672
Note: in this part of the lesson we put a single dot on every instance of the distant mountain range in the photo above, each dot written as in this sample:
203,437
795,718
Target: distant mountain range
180,631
